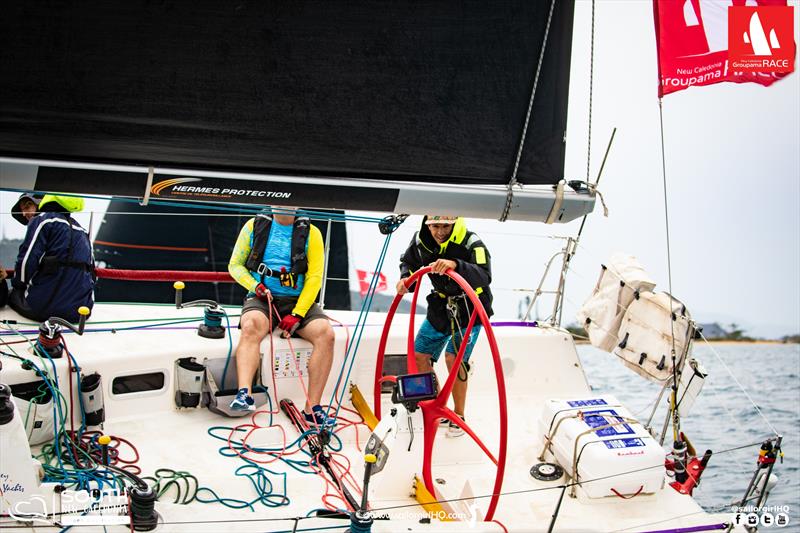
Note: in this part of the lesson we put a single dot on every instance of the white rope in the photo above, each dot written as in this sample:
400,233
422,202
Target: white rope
556,203
148,186
593,188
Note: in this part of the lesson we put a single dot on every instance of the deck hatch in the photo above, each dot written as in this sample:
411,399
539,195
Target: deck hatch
151,381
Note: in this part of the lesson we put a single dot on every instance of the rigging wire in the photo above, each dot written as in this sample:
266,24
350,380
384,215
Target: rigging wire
513,180
675,417
359,328
753,403
591,82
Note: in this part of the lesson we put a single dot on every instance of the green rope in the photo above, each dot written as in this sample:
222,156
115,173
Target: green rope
185,484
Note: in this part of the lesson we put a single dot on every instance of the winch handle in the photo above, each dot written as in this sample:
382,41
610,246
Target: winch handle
83,313
179,286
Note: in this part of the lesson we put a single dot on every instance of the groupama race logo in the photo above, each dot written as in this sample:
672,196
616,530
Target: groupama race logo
761,38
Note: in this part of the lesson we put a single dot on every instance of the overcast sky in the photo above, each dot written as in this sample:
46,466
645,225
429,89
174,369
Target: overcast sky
733,167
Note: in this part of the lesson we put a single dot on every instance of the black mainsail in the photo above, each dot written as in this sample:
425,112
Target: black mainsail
350,105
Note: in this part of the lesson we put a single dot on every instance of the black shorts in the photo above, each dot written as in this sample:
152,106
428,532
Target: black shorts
285,307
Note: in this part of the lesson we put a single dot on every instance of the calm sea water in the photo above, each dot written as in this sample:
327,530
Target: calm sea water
723,418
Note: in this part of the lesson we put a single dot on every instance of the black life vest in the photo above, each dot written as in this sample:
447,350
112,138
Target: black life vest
261,227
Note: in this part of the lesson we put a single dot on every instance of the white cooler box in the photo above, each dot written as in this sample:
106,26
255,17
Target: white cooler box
623,458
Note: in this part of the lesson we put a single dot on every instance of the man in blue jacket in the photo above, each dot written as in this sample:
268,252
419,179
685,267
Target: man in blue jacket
54,272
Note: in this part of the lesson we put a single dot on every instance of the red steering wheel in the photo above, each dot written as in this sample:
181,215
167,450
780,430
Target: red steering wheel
435,409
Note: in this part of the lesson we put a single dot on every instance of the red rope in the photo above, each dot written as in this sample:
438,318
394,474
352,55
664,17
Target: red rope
163,275
641,487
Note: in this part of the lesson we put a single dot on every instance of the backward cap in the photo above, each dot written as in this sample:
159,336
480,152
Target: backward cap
441,219
16,210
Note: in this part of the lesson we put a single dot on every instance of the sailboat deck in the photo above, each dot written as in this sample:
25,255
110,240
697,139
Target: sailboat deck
538,364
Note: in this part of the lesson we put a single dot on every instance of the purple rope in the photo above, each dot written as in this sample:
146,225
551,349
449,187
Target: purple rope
533,324
36,331
708,527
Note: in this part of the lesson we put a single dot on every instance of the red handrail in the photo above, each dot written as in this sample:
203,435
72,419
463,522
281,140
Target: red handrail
164,275
158,275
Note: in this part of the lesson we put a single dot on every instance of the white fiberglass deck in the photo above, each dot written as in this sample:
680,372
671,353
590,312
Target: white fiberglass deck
538,364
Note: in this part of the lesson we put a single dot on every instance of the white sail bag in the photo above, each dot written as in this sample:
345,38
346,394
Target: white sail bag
601,314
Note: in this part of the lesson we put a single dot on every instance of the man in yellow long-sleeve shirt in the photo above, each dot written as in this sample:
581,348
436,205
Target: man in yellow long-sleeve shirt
279,259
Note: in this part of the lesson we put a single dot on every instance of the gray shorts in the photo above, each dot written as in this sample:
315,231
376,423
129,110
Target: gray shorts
285,307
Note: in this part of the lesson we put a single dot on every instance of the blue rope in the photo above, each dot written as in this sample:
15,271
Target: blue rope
262,485
81,479
80,395
309,529
57,413
359,329
228,358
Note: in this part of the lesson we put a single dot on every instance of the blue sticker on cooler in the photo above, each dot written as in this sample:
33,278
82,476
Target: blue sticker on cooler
584,403
617,444
603,417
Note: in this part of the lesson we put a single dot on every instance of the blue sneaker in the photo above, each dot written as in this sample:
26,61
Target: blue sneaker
317,417
243,402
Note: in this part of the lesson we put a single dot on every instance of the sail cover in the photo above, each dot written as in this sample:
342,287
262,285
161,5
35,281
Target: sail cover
420,91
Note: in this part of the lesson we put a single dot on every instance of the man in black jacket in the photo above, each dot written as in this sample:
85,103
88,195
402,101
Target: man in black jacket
443,243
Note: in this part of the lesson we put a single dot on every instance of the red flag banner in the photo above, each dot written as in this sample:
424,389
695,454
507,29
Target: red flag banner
365,278
702,42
